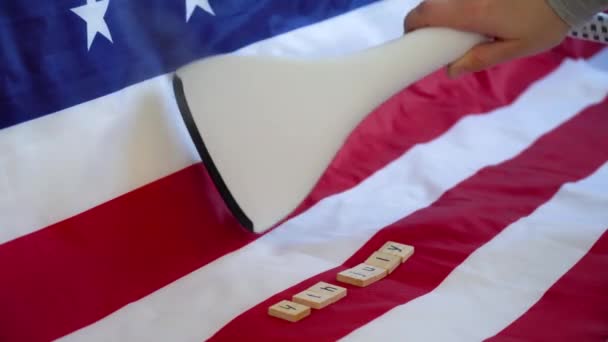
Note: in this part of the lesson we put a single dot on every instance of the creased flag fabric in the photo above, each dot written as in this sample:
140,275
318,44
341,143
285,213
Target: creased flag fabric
111,229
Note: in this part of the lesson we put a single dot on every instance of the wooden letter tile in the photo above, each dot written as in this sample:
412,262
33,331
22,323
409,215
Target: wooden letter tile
384,260
313,299
398,249
362,275
334,291
289,311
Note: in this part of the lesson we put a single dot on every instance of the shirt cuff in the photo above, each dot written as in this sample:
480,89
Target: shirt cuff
576,13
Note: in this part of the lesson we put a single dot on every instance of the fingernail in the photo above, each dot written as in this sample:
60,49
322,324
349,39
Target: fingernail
454,73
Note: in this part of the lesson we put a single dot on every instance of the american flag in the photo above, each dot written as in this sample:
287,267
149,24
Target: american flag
111,230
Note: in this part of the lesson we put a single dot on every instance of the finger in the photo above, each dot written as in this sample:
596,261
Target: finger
487,55
454,14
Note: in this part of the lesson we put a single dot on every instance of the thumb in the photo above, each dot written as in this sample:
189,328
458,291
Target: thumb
486,55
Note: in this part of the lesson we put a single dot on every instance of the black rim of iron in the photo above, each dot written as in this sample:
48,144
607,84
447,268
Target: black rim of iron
184,109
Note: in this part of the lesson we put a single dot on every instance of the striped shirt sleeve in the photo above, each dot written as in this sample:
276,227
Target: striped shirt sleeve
576,13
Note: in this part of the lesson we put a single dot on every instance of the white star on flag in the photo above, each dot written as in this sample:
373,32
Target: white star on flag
93,14
191,5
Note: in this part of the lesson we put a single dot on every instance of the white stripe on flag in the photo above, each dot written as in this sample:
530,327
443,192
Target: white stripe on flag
373,25
64,163
67,162
501,280
331,231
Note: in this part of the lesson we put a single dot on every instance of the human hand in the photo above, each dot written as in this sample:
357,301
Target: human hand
516,28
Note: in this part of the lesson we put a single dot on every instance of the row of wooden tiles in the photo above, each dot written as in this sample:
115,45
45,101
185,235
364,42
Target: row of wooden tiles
377,266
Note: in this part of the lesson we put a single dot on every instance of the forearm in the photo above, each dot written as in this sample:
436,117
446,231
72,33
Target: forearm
577,12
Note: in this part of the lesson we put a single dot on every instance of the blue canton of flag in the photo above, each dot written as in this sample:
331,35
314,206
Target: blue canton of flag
55,55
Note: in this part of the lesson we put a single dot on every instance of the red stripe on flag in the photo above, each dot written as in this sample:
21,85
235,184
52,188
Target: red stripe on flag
575,308
75,272
444,234
428,109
